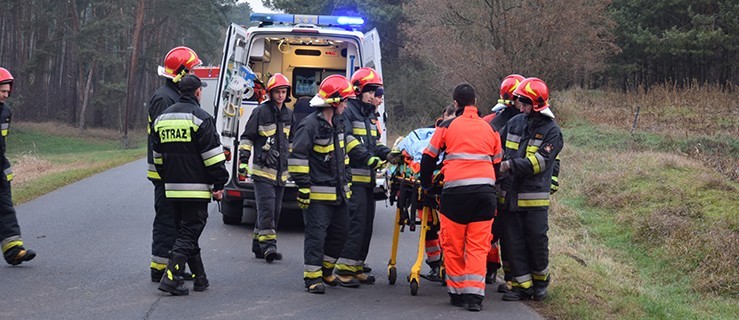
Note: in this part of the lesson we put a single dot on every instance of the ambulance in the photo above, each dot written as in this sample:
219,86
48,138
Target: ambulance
306,49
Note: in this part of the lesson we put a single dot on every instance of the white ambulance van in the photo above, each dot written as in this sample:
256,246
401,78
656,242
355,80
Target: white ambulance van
306,49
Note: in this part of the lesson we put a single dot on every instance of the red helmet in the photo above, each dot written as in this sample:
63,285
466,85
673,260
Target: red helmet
508,85
365,76
332,91
278,81
178,62
6,77
536,90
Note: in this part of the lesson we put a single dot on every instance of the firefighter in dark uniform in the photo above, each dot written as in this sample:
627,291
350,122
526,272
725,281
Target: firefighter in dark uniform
177,63
467,205
319,166
10,233
532,142
267,137
362,123
502,112
189,158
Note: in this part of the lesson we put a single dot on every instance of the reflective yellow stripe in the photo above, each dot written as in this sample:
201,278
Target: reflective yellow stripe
268,133
542,277
533,203
328,265
187,194
534,163
245,147
153,175
531,150
267,237
264,174
216,159
9,177
351,145
323,149
511,145
323,196
11,244
341,144
158,161
501,200
361,179
374,133
158,266
525,284
346,160
312,274
298,169
5,132
555,178
359,131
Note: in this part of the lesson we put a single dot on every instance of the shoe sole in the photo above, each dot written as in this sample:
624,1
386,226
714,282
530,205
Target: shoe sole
349,285
173,291
28,257
270,256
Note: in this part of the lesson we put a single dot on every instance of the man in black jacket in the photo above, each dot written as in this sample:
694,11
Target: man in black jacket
189,157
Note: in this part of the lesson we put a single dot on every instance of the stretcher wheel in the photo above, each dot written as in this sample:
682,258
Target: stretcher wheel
392,275
414,287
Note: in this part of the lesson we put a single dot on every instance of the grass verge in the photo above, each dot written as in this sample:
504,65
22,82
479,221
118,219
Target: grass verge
47,156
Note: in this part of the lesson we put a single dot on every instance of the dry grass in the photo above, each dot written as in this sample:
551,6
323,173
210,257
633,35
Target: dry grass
66,130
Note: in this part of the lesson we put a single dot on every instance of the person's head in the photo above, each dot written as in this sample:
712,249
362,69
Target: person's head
532,95
464,95
332,94
379,95
279,87
6,84
366,81
190,85
449,112
178,63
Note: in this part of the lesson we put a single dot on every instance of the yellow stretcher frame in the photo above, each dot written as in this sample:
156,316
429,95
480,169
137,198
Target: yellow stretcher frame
414,278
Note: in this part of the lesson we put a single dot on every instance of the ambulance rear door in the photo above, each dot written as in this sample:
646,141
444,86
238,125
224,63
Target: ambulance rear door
371,58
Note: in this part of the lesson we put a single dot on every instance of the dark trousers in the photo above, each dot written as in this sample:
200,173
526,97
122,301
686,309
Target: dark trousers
361,221
9,229
269,205
499,225
164,231
190,217
525,239
326,227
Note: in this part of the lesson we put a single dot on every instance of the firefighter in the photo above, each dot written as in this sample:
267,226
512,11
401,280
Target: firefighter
502,112
362,123
189,158
177,63
10,233
532,142
472,152
266,136
319,166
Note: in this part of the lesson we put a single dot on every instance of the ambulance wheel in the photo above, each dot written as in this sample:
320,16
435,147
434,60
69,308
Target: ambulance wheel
414,287
392,275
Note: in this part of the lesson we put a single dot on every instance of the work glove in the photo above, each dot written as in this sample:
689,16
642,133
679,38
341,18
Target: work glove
271,157
554,186
375,163
227,153
244,169
394,157
303,198
505,166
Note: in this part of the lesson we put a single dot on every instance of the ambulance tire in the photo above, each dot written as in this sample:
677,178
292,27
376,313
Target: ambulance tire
232,211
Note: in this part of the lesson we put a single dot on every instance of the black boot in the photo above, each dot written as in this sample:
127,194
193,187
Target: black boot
315,286
156,275
434,274
492,272
518,294
256,249
540,289
457,300
172,280
18,254
473,301
271,254
200,282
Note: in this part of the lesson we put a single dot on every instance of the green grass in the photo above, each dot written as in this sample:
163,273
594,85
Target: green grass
48,156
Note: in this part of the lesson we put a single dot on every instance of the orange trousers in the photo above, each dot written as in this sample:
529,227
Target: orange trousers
465,248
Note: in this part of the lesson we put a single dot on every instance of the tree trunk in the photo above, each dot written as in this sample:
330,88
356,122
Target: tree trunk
130,96
86,96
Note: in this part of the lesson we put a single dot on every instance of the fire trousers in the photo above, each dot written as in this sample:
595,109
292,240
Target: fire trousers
10,232
465,248
190,218
525,234
269,205
361,221
164,230
326,227
433,247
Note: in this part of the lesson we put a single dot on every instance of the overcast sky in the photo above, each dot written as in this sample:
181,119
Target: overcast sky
256,6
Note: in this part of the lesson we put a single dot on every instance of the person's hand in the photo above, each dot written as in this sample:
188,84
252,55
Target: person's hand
505,166
375,163
244,170
394,157
218,195
554,186
303,198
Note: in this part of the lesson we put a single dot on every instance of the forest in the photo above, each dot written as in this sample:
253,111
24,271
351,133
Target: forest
91,63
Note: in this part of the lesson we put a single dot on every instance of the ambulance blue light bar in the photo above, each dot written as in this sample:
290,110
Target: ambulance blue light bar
306,19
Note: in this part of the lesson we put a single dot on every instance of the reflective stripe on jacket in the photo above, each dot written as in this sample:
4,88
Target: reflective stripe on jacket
164,97
361,123
187,152
5,116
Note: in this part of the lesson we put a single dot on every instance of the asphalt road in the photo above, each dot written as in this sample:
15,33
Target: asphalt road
93,241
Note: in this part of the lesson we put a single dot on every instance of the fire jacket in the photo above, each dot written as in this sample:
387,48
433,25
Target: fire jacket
472,149
532,144
361,123
267,135
165,96
5,128
320,160
187,151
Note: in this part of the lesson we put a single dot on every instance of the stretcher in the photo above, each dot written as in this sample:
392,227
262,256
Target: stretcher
406,195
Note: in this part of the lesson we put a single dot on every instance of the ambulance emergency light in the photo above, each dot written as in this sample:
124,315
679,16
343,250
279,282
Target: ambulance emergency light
306,19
